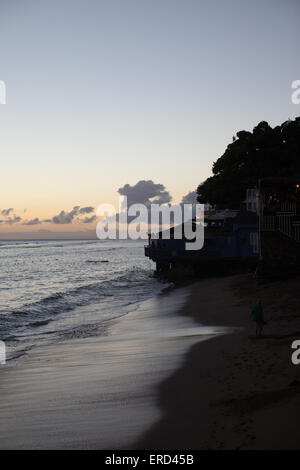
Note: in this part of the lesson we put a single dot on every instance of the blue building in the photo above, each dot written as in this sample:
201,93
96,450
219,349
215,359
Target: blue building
230,238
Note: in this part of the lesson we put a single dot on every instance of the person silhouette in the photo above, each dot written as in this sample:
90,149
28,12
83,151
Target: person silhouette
258,318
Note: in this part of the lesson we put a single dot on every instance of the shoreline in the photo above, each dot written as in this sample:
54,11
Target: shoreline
234,391
184,386
97,392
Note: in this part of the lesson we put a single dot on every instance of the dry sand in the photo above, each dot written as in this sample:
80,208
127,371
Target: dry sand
235,391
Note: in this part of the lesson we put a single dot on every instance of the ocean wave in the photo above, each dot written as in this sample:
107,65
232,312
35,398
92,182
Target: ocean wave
59,290
19,245
83,295
96,261
40,322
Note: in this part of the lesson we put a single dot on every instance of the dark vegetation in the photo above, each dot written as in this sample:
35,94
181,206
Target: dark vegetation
264,152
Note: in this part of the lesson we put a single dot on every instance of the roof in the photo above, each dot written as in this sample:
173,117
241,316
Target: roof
221,215
169,233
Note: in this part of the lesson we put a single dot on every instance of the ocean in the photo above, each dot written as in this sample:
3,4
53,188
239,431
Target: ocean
52,290
88,342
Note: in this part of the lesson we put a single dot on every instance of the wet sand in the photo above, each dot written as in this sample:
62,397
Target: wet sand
153,382
99,392
235,391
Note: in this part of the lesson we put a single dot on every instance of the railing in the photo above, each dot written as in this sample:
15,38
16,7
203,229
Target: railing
287,223
297,231
288,207
268,223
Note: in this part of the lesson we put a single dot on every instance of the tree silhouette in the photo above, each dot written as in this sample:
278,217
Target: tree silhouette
265,152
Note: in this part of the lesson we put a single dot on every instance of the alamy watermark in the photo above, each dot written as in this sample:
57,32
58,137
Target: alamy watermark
295,97
2,92
2,353
136,221
295,358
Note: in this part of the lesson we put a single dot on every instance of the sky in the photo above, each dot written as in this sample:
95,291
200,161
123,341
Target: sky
106,93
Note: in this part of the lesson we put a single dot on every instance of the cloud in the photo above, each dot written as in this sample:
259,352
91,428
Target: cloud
6,212
189,198
88,220
9,220
145,192
86,210
65,217
35,221
13,220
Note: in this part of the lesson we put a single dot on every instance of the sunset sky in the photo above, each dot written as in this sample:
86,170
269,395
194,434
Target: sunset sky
104,93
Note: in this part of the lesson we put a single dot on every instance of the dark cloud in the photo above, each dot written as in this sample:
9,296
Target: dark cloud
88,220
64,217
13,220
35,221
190,198
86,210
145,192
6,212
67,217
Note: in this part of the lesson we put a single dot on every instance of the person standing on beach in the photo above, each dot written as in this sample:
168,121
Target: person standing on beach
258,317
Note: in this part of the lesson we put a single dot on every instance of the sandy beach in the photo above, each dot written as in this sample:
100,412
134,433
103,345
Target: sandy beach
99,392
183,371
149,202
235,391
